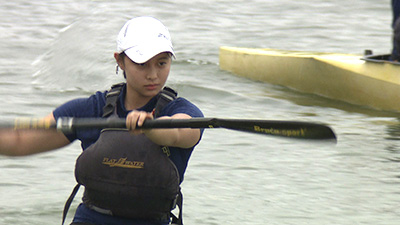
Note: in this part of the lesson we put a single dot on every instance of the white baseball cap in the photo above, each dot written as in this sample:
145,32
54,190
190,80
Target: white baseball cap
142,38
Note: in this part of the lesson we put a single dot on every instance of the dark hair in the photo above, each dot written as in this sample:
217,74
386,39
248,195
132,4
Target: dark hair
122,56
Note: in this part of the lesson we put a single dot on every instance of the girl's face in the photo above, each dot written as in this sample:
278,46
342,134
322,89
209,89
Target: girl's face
146,80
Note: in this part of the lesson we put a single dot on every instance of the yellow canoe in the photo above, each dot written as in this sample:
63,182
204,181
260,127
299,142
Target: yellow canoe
368,81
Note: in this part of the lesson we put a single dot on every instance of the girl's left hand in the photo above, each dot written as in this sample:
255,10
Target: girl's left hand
135,119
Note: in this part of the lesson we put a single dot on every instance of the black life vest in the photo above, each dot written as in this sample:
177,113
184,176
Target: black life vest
128,175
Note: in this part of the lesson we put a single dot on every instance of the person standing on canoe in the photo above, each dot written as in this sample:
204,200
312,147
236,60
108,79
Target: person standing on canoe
396,41
395,56
129,177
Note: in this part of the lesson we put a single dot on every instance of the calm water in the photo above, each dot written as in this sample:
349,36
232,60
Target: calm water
52,51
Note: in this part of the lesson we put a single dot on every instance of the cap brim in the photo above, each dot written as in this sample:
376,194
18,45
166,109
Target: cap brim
143,53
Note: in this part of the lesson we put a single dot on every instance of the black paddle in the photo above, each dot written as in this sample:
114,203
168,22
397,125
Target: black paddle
291,129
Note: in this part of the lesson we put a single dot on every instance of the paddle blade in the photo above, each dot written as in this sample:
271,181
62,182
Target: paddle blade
291,129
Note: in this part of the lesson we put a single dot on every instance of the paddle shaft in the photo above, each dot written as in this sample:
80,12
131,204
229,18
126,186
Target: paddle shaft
292,129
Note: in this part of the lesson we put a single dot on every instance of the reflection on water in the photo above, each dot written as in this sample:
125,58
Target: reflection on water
393,130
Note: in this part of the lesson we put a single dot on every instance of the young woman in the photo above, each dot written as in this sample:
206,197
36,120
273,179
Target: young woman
121,187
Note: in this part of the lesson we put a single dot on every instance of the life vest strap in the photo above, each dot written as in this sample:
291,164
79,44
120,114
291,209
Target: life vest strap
69,201
179,202
164,97
112,99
